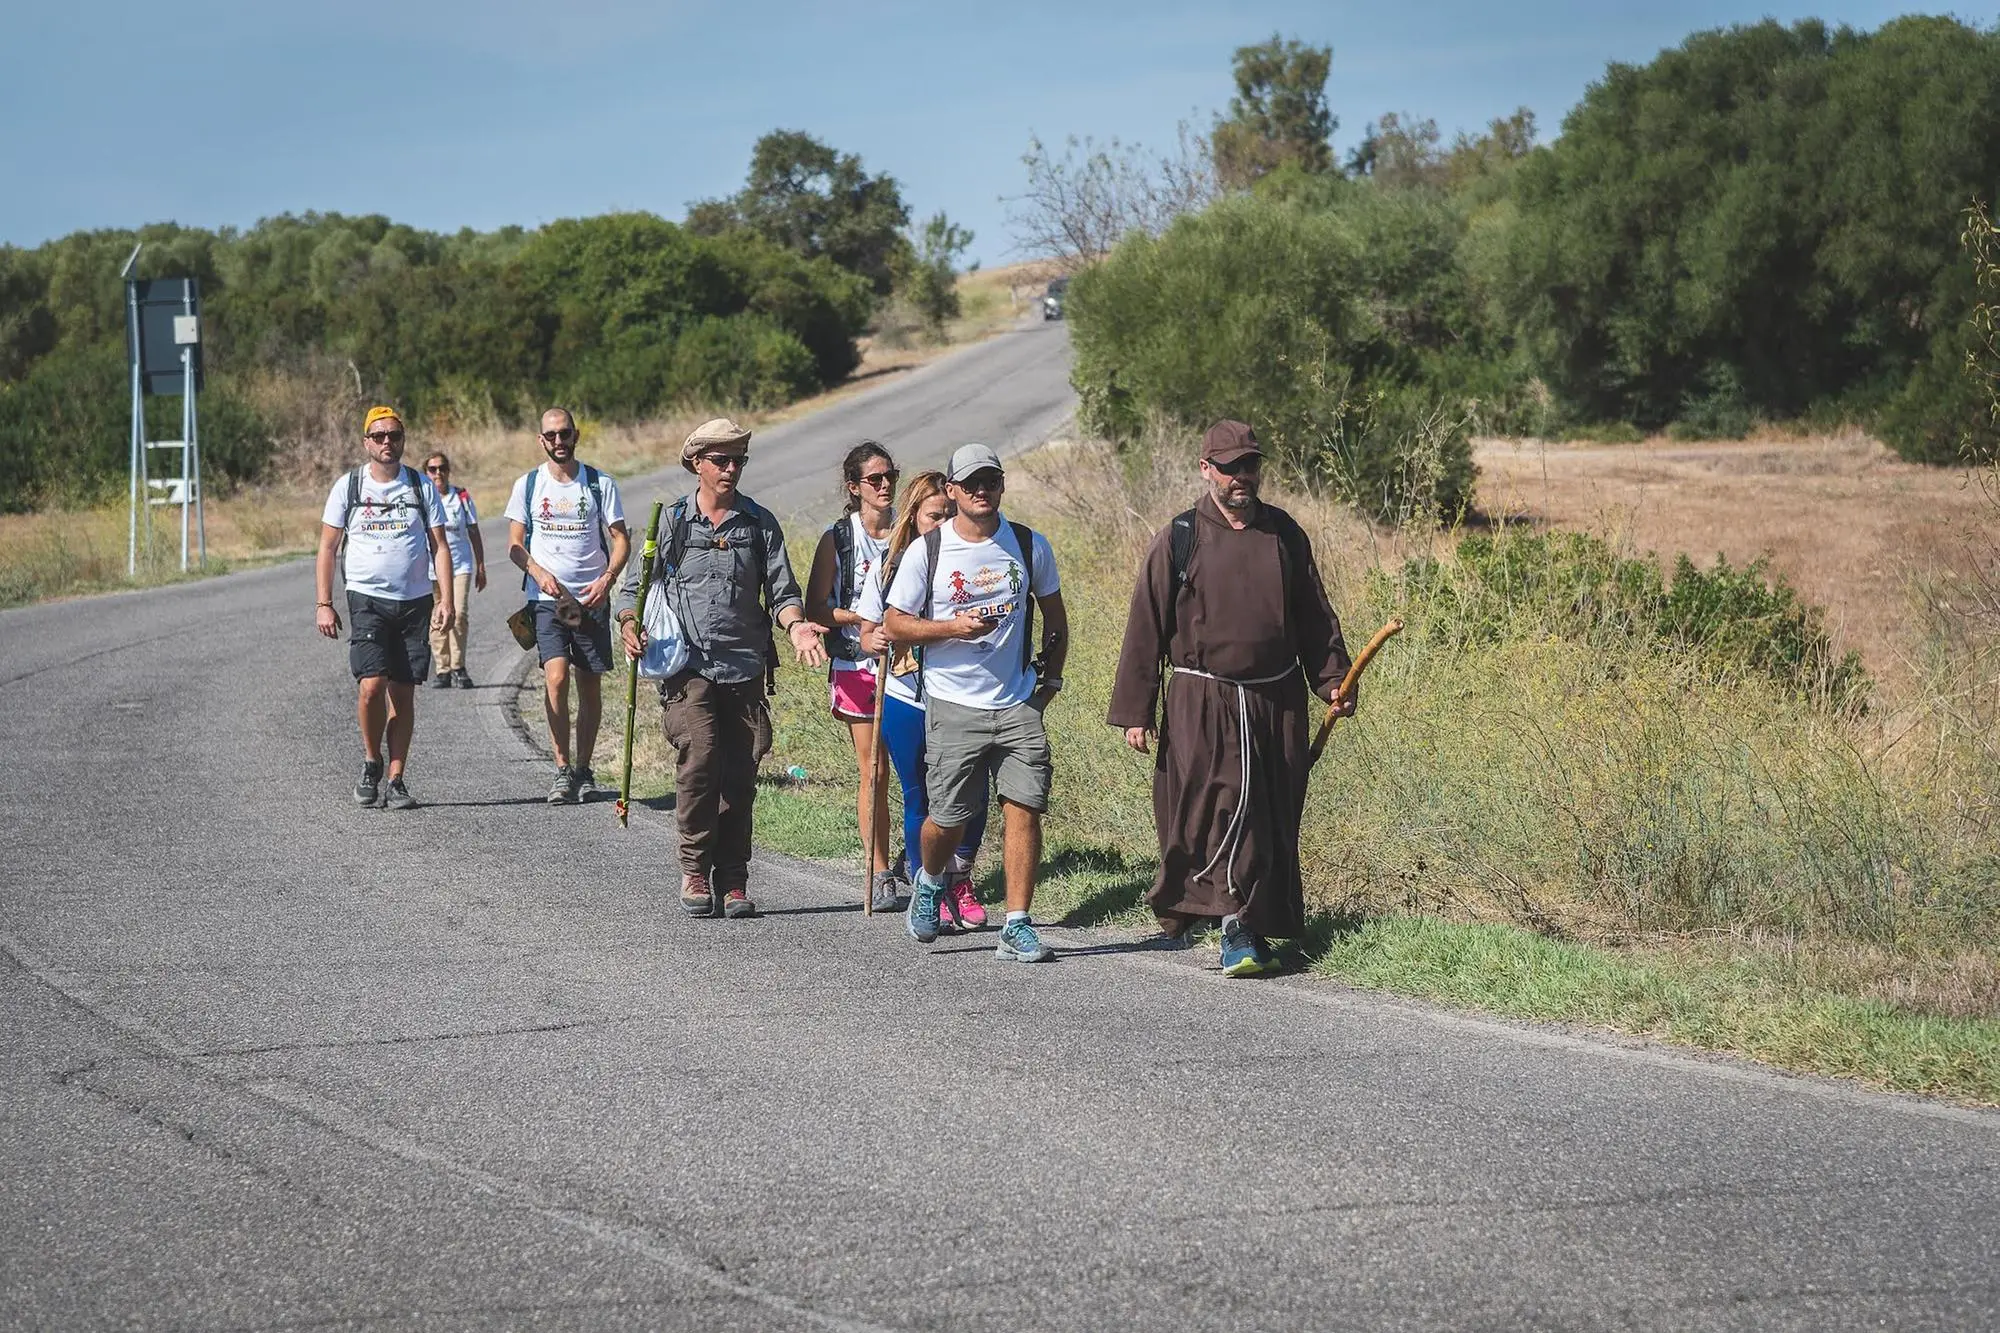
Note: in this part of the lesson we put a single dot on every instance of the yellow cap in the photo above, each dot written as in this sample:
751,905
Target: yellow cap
376,414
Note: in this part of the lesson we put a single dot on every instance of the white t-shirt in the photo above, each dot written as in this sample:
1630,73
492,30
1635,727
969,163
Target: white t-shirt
460,517
868,553
567,537
868,605
388,552
983,577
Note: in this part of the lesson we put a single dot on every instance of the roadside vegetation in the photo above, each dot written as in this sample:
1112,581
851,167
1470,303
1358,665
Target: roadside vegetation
1648,824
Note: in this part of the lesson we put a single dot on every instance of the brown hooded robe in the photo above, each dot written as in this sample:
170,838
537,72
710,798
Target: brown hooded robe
1235,619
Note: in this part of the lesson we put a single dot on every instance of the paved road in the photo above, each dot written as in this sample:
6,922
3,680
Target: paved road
267,1060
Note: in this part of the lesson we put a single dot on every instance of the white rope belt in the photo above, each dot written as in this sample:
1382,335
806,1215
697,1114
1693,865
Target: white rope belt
1232,837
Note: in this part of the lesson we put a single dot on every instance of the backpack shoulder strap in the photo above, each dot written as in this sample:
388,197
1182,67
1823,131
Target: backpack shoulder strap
678,527
933,543
1024,536
842,529
1181,536
353,494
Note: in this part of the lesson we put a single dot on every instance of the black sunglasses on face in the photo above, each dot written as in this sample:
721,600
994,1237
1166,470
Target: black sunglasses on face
386,436
879,479
724,461
981,482
563,436
1247,463
436,467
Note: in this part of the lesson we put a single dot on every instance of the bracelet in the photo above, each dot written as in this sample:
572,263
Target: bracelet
322,603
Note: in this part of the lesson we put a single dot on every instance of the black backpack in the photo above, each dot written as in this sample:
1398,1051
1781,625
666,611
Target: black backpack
680,525
410,477
1181,539
842,529
1025,538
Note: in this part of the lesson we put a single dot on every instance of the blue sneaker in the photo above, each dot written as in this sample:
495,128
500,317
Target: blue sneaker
921,920
1240,954
1267,961
1020,944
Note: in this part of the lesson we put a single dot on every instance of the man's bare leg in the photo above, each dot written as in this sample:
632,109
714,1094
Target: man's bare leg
1024,854
402,703
371,711
555,706
589,713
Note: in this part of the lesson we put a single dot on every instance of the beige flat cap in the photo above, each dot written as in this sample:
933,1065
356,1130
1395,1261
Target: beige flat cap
720,433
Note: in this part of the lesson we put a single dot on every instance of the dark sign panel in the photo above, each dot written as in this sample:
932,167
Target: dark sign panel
169,320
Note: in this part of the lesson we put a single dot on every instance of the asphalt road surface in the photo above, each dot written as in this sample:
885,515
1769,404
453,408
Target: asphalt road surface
271,1061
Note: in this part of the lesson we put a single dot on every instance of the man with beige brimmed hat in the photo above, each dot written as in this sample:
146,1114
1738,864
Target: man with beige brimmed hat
722,565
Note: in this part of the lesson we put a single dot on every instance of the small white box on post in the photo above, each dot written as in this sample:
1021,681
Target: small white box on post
187,330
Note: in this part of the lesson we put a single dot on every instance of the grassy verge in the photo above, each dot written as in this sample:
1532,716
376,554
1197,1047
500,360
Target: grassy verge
1544,829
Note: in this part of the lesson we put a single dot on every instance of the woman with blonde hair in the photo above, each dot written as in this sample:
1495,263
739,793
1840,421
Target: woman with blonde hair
925,505
468,570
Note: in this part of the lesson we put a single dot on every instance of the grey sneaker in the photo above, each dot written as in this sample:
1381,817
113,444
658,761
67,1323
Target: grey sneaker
922,918
886,891
1020,944
368,787
563,790
586,783
396,796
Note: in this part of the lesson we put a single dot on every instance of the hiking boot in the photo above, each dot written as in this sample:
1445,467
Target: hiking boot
883,892
441,681
461,679
563,790
1239,952
921,920
736,905
368,787
586,783
1020,944
697,898
396,796
963,905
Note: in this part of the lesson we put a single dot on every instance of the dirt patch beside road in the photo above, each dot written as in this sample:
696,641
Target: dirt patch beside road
1845,520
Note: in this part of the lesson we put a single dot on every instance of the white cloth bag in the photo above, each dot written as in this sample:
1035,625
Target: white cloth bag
666,645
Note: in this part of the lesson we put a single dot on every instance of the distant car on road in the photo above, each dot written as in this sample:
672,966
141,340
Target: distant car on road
1052,299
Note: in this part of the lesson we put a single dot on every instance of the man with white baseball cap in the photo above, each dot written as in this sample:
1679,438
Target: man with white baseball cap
966,596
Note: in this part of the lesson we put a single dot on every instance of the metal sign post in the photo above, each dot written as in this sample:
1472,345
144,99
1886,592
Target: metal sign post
163,334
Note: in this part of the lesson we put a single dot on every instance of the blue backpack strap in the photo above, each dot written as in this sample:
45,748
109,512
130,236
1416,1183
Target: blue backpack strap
528,524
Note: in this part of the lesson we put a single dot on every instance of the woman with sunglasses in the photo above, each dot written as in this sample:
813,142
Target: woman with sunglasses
925,505
850,554
468,570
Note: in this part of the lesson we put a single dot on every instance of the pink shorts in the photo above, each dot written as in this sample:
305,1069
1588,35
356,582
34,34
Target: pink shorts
853,694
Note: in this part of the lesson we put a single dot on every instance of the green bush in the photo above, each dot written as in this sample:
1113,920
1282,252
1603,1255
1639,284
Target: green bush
1290,315
1521,586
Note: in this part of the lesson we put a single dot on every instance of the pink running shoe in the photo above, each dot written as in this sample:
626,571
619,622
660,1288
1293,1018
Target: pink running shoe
963,906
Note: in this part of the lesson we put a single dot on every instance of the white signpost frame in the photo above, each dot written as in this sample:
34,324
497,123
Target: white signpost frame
185,488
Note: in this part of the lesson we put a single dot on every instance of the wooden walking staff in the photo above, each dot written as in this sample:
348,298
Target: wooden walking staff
1347,684
646,555
874,782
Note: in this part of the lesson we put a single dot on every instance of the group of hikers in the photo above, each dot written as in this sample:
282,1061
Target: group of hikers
935,602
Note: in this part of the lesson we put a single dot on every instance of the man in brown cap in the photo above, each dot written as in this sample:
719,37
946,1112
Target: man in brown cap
723,567
1230,598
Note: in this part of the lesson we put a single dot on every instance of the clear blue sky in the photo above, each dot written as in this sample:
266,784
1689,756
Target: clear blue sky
448,113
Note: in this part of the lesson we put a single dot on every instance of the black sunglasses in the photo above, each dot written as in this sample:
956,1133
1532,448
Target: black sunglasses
1236,467
436,467
724,460
982,482
563,436
882,478
386,436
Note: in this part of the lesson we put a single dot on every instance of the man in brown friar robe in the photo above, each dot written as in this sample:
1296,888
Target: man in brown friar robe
1247,628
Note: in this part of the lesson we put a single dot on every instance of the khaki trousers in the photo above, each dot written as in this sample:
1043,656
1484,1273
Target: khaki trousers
448,644
720,733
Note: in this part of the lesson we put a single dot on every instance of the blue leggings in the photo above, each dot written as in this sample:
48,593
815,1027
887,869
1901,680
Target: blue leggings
903,733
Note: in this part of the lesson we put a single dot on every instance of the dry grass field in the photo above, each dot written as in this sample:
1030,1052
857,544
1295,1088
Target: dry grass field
1851,526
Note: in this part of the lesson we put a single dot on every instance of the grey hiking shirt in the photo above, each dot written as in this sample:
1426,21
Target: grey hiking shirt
716,592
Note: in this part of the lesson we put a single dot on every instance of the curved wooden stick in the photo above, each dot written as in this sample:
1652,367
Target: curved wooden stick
1347,684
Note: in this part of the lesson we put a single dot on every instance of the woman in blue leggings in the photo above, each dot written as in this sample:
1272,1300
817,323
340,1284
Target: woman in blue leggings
924,507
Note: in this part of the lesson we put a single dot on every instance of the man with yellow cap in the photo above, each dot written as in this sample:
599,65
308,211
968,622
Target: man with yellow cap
722,565
384,526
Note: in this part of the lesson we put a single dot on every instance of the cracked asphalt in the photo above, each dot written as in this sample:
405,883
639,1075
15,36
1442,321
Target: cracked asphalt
272,1061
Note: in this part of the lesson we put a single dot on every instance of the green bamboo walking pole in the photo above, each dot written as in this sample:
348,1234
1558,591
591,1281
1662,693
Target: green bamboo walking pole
646,554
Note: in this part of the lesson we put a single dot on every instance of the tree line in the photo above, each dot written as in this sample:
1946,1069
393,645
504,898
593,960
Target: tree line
1761,225
756,300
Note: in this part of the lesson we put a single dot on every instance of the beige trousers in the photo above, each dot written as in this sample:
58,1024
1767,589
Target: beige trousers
448,644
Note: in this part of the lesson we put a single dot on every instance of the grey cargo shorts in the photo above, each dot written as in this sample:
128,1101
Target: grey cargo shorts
961,744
